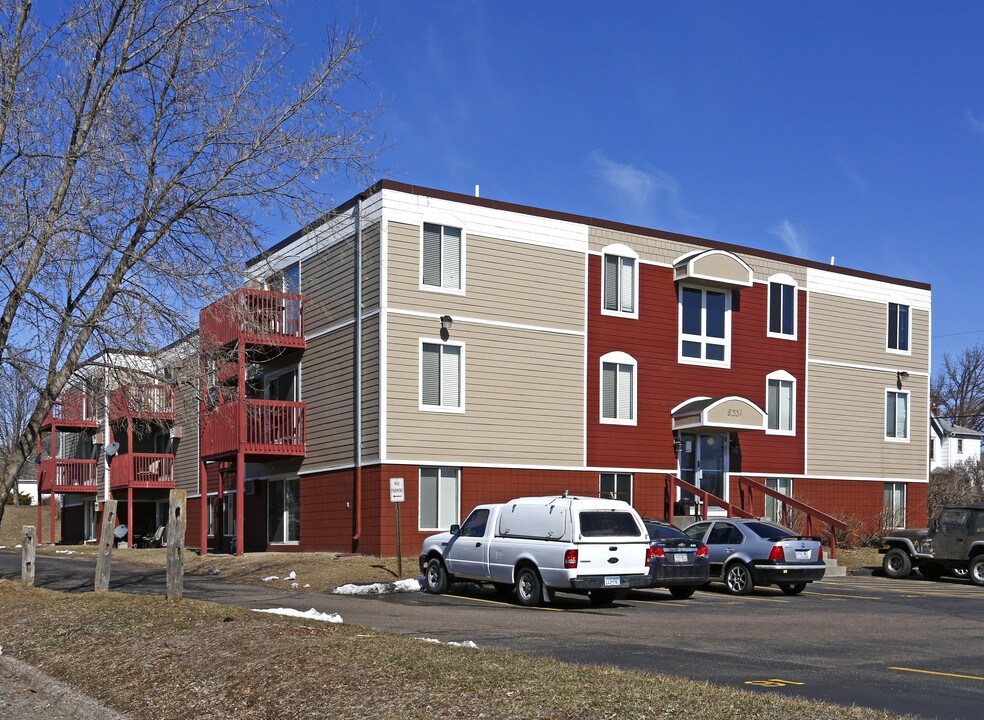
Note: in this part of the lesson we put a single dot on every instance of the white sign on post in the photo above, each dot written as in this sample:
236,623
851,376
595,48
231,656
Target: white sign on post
397,493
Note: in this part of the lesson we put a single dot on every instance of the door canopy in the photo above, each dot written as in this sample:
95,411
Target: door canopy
718,268
732,414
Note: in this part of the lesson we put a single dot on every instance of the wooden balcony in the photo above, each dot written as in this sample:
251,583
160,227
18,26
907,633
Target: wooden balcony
142,470
256,317
68,476
257,427
147,402
72,410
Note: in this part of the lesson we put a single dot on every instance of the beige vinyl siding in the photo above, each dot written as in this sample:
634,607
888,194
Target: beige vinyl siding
326,388
856,331
326,280
523,395
186,464
504,281
846,420
666,252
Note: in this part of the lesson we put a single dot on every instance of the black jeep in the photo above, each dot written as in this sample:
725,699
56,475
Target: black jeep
953,544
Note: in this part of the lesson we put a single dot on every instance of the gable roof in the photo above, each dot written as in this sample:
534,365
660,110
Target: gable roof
945,428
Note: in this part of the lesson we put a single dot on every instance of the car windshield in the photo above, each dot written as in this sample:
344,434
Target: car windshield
608,524
662,532
764,530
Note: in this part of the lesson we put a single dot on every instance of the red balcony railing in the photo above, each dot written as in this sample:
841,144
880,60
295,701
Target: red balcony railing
72,409
260,317
151,402
60,475
258,427
145,470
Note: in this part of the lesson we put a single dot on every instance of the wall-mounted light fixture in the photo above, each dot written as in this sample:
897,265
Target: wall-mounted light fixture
446,322
900,375
677,446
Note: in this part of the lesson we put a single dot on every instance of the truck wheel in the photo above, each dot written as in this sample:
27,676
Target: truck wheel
601,598
977,570
931,571
792,588
682,592
897,563
738,579
529,587
436,577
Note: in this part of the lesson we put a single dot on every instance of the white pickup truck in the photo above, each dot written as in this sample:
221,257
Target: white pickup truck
537,545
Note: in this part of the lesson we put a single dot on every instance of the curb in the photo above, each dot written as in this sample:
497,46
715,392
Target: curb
63,698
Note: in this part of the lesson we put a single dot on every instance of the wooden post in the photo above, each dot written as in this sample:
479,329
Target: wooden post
29,545
105,557
177,523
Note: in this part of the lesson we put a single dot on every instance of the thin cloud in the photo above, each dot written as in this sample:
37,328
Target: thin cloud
793,238
976,124
853,176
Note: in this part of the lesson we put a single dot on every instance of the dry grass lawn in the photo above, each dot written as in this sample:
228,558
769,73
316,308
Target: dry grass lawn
151,659
15,517
860,558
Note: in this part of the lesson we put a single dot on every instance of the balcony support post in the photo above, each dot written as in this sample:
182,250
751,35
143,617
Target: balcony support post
40,515
51,508
129,514
203,474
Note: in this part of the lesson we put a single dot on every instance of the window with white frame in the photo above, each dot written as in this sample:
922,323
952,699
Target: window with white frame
705,326
284,511
441,257
228,515
959,446
897,414
617,486
775,509
782,307
780,402
620,281
898,327
618,389
441,376
438,498
89,520
894,508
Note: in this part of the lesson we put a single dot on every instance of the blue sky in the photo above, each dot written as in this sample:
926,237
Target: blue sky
853,130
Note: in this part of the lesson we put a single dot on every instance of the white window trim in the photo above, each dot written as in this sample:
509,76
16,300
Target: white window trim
905,502
457,511
270,481
456,224
702,339
460,409
616,474
785,376
908,416
782,279
621,251
618,358
906,303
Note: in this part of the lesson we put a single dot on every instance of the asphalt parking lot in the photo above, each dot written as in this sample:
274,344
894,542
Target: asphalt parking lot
908,646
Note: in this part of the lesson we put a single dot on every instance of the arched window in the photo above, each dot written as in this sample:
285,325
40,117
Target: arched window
618,389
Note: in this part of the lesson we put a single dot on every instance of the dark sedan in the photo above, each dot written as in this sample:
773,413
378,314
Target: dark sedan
676,561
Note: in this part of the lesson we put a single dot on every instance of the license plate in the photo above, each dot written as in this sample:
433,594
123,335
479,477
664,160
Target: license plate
802,554
611,580
680,557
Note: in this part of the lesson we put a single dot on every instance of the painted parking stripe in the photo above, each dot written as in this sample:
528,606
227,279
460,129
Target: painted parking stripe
657,603
837,595
934,672
503,604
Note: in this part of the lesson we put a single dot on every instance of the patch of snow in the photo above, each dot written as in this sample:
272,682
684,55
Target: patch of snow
291,576
3,547
311,614
16,546
401,586
1,649
272,577
294,586
64,552
307,585
463,643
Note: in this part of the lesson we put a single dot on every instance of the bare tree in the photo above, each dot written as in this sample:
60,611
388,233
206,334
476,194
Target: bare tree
962,483
17,398
958,388
139,139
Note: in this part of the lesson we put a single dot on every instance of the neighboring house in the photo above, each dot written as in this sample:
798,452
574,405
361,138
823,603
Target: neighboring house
503,350
952,444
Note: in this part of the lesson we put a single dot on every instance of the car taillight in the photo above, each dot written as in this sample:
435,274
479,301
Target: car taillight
653,553
821,553
570,559
702,551
777,554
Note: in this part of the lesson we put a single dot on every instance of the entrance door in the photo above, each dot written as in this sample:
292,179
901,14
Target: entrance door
703,461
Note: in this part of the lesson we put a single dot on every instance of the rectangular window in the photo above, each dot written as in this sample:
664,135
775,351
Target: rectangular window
440,376
782,309
705,326
284,511
898,327
438,498
441,265
228,515
779,405
897,415
617,391
89,520
617,486
775,509
894,505
959,446
620,284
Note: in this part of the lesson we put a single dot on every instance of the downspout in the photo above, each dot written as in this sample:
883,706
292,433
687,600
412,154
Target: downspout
357,379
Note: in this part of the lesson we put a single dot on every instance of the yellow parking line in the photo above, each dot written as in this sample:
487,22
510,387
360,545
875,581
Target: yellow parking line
933,672
835,595
658,603
503,604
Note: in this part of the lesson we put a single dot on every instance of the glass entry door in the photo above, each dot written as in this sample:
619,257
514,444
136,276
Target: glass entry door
703,461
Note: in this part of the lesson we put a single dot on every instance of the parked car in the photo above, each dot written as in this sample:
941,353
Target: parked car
745,553
676,561
954,544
